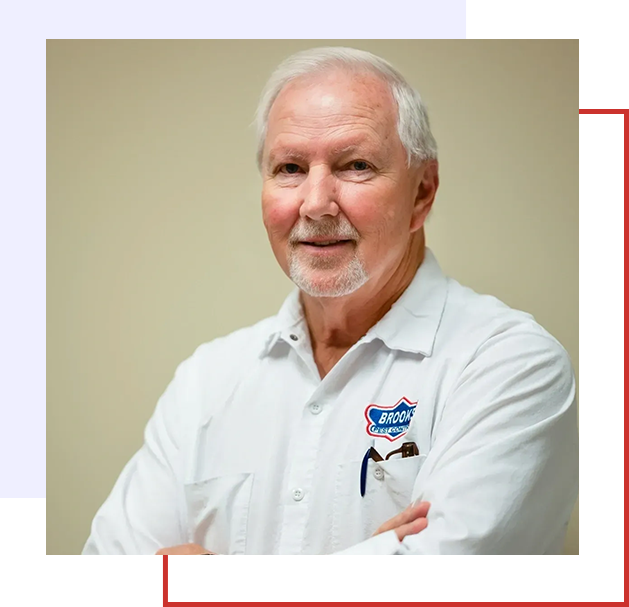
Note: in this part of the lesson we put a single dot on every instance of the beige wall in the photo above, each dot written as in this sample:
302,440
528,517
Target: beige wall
155,241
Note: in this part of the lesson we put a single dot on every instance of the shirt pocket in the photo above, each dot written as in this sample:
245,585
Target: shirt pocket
218,512
388,490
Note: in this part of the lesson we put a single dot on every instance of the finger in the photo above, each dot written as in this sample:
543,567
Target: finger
406,516
411,528
419,510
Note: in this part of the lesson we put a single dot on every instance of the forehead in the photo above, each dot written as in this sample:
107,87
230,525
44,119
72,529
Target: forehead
339,110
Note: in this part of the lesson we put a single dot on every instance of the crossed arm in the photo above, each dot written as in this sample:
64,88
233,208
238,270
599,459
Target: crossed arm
501,475
408,522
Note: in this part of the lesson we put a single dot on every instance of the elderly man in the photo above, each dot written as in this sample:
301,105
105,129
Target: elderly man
385,409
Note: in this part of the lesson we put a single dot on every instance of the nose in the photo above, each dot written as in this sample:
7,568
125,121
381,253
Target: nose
319,196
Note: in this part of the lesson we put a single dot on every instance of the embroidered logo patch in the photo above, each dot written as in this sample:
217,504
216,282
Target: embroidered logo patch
390,422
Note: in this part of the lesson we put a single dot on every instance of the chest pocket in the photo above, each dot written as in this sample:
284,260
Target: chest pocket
388,490
218,511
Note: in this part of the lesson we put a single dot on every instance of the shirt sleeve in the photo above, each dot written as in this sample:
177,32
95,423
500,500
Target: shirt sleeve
502,473
145,510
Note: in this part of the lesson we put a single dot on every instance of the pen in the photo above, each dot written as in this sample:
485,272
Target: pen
373,454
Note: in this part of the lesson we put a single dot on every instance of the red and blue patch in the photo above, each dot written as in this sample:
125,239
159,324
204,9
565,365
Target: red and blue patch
390,422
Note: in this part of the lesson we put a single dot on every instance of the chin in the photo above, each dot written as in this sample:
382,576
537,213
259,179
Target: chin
340,285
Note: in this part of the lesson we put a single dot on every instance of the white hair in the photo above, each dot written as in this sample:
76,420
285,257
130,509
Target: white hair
413,125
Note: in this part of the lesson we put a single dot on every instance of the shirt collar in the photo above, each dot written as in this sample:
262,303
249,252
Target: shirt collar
413,320
287,319
410,325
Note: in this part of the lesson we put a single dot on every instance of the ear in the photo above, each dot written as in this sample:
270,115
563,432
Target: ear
427,183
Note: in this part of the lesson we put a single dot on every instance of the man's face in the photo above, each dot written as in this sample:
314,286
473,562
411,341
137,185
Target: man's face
334,169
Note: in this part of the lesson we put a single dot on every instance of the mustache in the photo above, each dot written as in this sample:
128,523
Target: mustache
330,230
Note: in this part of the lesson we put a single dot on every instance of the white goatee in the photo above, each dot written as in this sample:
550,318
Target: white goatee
336,278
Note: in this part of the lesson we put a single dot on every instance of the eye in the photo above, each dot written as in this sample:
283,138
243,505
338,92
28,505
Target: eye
290,168
359,165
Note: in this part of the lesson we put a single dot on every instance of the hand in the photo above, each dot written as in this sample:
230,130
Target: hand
408,522
185,549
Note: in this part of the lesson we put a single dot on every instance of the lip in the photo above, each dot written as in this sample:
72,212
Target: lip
327,250
324,240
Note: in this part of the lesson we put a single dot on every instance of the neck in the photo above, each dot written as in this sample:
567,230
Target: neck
337,323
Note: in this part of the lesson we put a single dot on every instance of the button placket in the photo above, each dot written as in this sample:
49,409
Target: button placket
303,449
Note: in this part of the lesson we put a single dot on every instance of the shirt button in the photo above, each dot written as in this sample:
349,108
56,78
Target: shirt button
378,473
294,337
315,408
298,495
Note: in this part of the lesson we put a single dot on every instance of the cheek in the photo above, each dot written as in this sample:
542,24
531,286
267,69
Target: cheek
360,205
279,213
375,212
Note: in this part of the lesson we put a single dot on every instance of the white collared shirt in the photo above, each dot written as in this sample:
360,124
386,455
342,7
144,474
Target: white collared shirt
249,451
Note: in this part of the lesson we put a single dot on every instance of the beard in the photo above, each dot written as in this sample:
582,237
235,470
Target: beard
325,276
337,282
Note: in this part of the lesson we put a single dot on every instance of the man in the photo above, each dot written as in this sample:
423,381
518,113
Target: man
286,437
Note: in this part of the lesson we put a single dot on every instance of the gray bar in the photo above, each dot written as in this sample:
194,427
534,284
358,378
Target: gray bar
390,578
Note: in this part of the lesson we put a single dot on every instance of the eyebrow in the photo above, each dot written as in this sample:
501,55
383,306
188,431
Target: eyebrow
286,153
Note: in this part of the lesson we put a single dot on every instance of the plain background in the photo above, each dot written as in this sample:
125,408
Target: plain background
155,242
